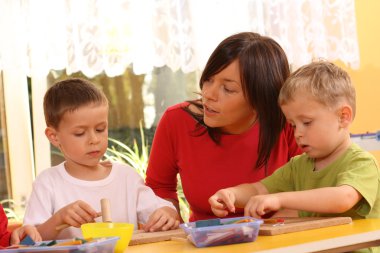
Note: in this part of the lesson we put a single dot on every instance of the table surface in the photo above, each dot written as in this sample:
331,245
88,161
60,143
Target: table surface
341,238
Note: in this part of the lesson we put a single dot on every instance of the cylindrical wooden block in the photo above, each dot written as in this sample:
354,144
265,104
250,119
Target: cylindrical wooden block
106,210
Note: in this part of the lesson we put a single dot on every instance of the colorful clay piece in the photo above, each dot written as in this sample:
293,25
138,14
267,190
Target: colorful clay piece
51,243
243,221
207,223
27,241
216,222
223,231
68,243
105,244
238,221
274,221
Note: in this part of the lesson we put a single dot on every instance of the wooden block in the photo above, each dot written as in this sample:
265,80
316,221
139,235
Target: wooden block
140,237
300,224
106,210
290,225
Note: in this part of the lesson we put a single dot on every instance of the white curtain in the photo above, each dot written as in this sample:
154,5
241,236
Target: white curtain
102,35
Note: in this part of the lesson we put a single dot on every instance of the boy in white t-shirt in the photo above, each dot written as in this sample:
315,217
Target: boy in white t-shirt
76,114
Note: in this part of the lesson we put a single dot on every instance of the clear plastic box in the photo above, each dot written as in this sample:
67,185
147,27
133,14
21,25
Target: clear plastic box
99,245
226,233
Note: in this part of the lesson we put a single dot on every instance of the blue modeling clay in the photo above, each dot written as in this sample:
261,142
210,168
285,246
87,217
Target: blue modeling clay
207,223
27,241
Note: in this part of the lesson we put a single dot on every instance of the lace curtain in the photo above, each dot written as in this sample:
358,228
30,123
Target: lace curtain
101,35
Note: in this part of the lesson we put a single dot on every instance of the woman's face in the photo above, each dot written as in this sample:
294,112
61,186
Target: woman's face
224,103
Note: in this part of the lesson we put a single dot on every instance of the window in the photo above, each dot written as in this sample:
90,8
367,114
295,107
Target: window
5,186
136,99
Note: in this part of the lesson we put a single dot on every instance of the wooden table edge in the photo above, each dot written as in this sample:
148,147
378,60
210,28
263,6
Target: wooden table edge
333,245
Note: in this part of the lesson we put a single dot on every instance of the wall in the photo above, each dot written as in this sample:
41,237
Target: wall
367,77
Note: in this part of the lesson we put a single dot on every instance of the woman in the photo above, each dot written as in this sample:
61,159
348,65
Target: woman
236,133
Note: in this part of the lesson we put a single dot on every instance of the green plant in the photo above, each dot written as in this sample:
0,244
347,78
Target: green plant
183,204
122,153
137,157
10,210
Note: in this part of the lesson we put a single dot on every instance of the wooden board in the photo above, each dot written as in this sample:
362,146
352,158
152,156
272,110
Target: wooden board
290,225
140,237
300,224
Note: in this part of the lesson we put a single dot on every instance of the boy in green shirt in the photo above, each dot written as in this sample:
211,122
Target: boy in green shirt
333,177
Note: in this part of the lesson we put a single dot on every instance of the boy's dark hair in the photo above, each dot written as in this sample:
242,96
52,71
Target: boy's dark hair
67,96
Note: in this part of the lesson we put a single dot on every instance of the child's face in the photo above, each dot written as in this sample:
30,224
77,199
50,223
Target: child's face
82,135
317,128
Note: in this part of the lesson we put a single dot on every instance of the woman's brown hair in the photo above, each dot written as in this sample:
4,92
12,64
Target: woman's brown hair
263,70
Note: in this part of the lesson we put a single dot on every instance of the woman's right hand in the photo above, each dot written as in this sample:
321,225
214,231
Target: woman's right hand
222,202
76,214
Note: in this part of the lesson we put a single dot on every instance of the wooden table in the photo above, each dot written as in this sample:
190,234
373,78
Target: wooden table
342,238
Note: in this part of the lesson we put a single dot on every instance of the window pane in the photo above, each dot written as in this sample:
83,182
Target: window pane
4,166
137,99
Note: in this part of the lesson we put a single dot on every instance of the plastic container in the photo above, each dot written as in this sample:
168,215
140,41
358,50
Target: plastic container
105,245
226,233
103,229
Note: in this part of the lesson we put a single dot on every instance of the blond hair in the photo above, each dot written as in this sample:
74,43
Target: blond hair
324,81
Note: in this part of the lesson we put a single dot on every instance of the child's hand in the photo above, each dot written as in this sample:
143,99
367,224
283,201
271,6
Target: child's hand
260,205
222,202
76,214
19,233
164,218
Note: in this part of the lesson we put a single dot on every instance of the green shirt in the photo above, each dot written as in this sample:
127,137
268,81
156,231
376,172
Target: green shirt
355,167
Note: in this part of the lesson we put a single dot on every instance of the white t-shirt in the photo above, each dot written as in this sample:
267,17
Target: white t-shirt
130,199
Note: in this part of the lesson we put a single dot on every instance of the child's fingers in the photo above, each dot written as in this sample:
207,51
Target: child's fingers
157,225
33,233
251,210
170,223
88,209
78,213
260,210
72,221
36,237
15,237
213,200
223,199
161,217
229,205
82,217
220,206
19,233
86,216
76,219
219,212
216,202
176,224
248,209
151,221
